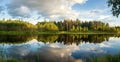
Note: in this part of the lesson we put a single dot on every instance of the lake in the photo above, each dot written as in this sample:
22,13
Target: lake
57,48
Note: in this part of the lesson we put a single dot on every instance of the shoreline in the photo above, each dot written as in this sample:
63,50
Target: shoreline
51,32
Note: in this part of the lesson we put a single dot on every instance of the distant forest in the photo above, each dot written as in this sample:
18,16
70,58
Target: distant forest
66,25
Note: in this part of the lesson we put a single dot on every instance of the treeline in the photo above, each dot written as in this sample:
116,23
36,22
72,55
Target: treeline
16,25
77,25
66,25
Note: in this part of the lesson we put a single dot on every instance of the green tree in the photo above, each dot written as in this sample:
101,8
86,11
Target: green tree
47,26
115,7
73,28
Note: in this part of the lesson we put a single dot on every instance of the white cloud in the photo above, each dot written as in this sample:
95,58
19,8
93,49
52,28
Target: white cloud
94,12
47,8
113,21
79,1
102,15
57,10
23,11
103,45
86,15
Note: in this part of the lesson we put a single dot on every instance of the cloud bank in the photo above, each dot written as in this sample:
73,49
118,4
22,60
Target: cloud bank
51,9
55,10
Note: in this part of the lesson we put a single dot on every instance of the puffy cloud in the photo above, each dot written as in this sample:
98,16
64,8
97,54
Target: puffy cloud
99,15
79,1
22,11
48,8
113,21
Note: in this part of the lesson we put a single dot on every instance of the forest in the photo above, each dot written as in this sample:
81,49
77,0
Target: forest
66,26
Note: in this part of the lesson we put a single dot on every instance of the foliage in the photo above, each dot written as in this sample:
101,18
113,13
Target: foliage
47,26
47,38
9,60
115,7
22,27
16,25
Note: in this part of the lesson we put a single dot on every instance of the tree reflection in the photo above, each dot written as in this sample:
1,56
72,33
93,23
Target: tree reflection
69,39
47,38
35,51
16,38
62,38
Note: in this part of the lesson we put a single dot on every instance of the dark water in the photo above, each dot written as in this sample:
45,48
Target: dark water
57,48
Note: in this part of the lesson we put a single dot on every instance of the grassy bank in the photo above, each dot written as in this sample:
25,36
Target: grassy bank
18,33
88,32
50,32
107,58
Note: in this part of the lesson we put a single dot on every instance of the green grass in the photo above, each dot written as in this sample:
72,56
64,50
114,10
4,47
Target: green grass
17,33
107,58
50,32
9,60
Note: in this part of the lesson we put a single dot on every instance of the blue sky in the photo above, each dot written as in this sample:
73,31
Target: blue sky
39,10
91,4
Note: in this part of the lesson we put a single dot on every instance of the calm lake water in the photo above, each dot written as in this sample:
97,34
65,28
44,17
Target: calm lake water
57,48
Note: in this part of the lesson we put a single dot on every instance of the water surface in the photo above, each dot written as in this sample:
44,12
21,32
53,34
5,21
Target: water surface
57,48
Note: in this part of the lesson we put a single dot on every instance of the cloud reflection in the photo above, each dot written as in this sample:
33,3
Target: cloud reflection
54,52
59,52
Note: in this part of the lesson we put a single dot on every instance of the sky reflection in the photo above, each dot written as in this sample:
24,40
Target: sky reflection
55,52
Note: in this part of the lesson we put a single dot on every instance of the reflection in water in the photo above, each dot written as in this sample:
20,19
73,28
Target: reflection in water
15,38
38,51
66,39
47,38
69,39
57,48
